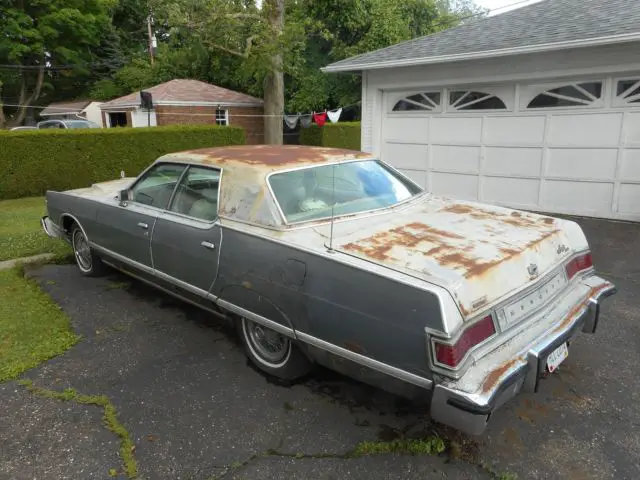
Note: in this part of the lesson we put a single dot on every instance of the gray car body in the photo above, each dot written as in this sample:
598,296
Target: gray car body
351,311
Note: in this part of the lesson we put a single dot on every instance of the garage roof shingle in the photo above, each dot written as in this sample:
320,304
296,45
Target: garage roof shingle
549,24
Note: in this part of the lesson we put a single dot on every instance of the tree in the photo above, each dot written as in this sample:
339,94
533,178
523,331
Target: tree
258,37
39,37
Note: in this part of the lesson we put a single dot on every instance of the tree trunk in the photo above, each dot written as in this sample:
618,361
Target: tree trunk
26,102
274,80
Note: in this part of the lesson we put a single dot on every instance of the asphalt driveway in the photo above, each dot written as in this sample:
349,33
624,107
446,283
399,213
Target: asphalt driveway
194,409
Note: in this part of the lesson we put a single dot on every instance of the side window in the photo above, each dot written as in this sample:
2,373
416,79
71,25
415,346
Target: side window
157,185
571,95
473,100
197,194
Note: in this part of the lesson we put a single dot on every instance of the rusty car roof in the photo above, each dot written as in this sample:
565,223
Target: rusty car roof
244,192
268,157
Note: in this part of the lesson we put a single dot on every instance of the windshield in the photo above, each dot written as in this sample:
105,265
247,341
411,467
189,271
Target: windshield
308,194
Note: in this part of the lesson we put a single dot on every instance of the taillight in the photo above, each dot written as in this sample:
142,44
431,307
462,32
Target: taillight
452,354
578,264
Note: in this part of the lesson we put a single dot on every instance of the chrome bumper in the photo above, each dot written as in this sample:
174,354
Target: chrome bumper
467,404
51,228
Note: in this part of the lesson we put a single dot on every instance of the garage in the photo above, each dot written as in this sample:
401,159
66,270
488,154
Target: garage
514,109
546,147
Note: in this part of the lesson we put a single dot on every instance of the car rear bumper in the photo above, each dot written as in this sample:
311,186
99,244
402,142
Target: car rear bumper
467,403
51,228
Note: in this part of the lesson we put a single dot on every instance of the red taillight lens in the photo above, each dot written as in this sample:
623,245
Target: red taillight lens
452,355
578,264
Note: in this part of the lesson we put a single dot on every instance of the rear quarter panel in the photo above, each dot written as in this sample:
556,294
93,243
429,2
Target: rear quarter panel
354,309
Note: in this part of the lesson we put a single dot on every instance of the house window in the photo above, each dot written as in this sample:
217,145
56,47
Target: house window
418,102
628,92
222,117
572,95
474,100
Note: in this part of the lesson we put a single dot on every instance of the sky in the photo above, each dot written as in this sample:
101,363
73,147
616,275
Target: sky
496,4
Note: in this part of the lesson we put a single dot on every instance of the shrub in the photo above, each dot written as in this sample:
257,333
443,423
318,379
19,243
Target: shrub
338,135
34,162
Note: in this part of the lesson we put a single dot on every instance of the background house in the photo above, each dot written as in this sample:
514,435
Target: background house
87,109
537,108
180,102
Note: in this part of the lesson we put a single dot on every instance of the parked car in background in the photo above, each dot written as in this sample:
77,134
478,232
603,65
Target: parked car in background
23,128
332,256
66,124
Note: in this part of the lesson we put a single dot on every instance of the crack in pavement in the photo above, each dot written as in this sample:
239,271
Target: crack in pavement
110,419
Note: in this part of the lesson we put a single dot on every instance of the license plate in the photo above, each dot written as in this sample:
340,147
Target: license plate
556,357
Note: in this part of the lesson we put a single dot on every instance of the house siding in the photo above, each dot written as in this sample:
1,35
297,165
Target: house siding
249,118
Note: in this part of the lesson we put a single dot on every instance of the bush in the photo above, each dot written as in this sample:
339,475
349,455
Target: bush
338,135
34,162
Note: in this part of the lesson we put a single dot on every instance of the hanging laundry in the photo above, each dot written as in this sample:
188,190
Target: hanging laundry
334,115
305,120
291,121
320,118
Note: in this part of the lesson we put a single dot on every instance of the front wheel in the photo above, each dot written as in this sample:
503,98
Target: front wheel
87,260
272,352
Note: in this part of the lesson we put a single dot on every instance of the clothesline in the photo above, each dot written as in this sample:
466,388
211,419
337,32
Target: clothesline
319,118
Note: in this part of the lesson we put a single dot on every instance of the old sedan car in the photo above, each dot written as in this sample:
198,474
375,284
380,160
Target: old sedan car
333,257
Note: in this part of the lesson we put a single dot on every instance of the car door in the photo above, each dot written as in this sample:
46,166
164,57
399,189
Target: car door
124,228
186,238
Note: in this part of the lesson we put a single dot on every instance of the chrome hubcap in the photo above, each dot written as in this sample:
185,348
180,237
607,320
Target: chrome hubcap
270,345
82,250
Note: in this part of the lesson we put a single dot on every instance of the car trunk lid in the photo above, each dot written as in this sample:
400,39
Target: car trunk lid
480,253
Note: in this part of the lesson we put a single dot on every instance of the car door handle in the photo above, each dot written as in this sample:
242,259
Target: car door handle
143,225
208,245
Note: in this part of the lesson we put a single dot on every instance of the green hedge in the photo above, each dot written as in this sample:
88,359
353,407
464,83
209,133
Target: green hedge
339,135
33,162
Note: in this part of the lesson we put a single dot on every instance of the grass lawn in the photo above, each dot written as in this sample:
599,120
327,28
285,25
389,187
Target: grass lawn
32,327
20,231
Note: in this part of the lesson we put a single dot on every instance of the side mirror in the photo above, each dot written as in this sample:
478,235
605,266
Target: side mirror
123,196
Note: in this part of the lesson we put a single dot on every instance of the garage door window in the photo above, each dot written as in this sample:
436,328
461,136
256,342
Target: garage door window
628,92
473,100
425,101
572,95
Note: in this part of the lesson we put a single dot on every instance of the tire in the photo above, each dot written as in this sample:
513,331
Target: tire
88,262
272,352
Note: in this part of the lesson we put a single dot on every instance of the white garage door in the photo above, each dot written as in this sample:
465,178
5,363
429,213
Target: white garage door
568,147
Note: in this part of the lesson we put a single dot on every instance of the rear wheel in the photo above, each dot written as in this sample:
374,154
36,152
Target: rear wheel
87,260
272,352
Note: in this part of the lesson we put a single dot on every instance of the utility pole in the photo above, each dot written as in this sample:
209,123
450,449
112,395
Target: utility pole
152,38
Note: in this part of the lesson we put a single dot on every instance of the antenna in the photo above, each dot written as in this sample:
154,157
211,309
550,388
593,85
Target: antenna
333,204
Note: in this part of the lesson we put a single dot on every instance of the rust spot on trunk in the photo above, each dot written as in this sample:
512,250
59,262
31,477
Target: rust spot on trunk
410,235
491,379
515,218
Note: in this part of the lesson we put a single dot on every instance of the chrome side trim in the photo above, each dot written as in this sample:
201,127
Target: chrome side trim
169,292
254,317
184,285
156,273
123,259
366,361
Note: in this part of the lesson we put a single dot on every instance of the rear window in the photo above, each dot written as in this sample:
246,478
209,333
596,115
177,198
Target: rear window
316,193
